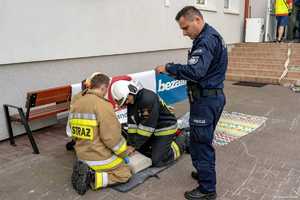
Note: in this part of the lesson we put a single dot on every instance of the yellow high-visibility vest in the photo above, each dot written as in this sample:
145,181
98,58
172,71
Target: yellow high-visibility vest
281,7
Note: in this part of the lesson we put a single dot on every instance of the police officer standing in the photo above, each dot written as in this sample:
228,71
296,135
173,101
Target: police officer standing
205,74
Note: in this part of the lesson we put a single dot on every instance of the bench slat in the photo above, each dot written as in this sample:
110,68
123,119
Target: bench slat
57,98
52,95
40,113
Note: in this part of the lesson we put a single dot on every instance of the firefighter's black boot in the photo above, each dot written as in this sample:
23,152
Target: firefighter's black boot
186,135
194,175
195,194
81,177
183,142
70,145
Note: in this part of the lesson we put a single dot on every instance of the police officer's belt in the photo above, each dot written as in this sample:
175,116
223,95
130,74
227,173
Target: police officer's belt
206,92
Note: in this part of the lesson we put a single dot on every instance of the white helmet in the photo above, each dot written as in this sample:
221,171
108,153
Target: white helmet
121,89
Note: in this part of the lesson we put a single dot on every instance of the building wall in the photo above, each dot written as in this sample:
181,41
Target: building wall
259,8
229,22
17,79
35,30
52,43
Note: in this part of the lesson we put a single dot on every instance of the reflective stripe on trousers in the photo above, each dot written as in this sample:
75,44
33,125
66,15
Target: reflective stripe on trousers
101,180
107,164
176,150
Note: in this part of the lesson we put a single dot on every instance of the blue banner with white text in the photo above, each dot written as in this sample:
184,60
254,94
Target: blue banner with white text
170,89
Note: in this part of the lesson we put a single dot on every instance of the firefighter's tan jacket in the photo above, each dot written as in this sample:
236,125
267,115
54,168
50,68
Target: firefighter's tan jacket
77,96
97,132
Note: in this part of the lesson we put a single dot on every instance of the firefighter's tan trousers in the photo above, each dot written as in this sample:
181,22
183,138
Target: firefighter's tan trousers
121,174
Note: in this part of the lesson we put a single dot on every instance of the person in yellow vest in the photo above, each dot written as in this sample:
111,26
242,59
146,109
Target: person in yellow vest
100,147
282,10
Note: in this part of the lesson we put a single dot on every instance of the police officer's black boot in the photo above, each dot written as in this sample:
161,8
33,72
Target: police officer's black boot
81,177
195,194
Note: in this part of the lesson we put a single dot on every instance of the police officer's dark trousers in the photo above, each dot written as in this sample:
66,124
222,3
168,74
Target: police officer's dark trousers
205,113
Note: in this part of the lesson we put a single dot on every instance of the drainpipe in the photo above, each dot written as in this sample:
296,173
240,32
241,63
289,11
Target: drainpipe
247,14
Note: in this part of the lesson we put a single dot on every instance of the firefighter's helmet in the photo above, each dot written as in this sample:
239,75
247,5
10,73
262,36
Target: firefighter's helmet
121,89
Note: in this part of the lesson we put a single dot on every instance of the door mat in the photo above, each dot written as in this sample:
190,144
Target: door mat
249,84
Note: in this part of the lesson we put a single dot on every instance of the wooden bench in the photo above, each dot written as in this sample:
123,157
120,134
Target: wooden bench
40,104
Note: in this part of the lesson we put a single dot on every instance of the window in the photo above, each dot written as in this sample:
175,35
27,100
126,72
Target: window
232,7
201,2
206,5
226,4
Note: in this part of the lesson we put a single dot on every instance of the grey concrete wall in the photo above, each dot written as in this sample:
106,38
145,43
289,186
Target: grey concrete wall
17,79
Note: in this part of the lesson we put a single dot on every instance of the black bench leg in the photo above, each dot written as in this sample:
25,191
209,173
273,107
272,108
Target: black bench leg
28,130
8,123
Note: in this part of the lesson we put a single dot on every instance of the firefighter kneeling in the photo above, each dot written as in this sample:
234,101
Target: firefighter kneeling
100,147
151,125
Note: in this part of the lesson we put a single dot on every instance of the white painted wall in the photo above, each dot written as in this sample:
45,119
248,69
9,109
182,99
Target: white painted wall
54,29
89,33
35,30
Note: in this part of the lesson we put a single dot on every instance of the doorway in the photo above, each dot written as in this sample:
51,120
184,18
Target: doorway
270,27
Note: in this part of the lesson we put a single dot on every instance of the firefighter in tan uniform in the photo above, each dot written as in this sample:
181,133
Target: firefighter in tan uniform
85,84
100,147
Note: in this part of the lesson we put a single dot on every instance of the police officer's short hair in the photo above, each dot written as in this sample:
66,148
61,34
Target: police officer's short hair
189,12
99,80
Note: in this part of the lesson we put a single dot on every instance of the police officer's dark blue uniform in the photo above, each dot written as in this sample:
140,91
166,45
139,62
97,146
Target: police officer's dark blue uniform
205,74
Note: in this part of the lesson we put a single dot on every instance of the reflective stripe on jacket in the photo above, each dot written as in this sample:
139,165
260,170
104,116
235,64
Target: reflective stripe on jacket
97,132
148,116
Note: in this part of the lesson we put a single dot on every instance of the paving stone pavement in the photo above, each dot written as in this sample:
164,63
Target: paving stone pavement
264,165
